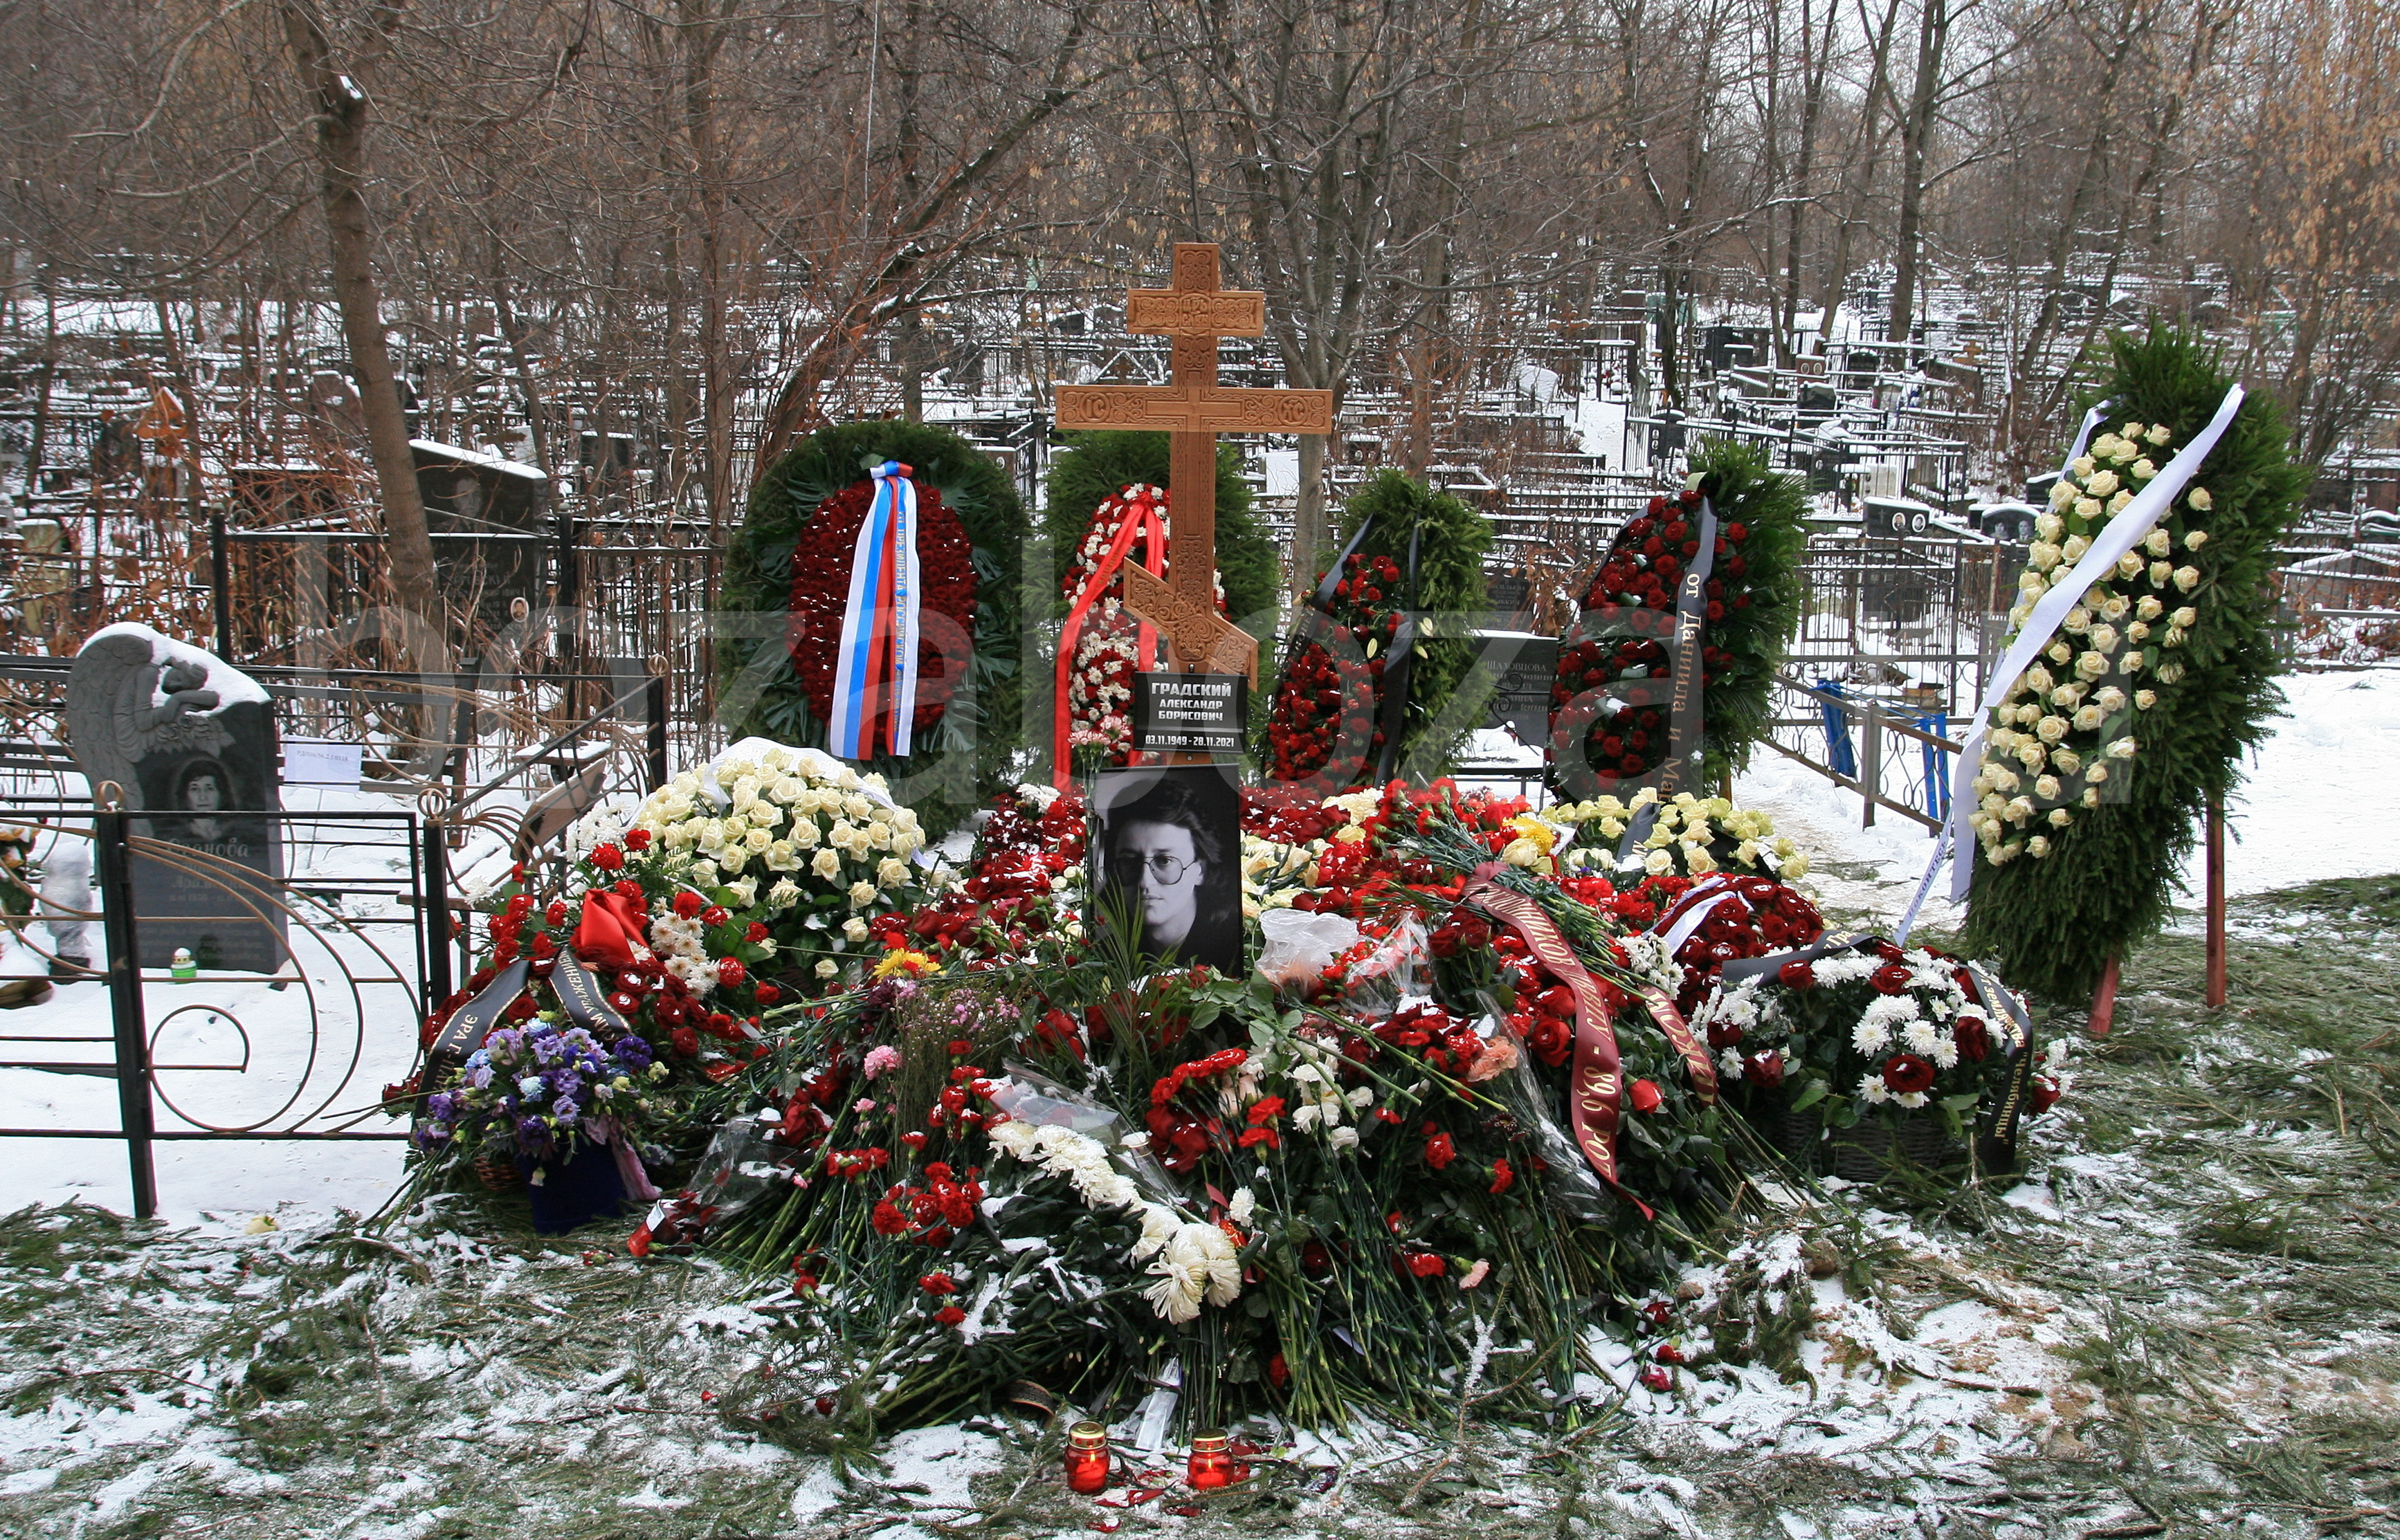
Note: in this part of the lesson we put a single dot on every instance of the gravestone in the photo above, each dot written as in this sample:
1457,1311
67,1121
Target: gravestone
190,741
484,512
1518,667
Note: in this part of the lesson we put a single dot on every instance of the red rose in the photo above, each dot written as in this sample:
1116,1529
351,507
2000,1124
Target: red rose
1890,979
1765,1069
2045,1092
1724,1035
686,1040
1903,1073
1974,1043
949,1315
1645,1097
1669,1354
1439,1152
608,858
937,1283
1278,1371
1657,1380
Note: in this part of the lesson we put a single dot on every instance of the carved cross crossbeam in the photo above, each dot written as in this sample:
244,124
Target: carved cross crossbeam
1194,409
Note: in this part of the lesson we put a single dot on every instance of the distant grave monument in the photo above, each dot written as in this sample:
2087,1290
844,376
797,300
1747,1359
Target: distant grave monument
191,743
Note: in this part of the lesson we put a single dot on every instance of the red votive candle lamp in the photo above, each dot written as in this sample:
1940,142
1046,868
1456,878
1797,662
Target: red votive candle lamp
1087,1458
1212,1460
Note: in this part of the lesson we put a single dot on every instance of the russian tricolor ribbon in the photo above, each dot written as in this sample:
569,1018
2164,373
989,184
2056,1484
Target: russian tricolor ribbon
1142,522
875,670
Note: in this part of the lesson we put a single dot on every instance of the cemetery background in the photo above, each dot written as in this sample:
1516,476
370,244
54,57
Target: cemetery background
582,445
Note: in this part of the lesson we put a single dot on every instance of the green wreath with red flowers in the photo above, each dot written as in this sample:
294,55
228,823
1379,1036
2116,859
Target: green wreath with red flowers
1753,595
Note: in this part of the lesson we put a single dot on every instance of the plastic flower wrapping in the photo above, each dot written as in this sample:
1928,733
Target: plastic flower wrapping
989,1146
2071,721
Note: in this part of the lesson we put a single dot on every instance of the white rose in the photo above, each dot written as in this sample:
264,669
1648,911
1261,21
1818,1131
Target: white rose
2197,538
2046,788
891,871
2037,847
2123,748
829,968
2157,433
828,864
2096,774
2092,664
2074,549
2103,638
2050,729
2187,578
2198,496
784,894
2067,760
2088,719
2144,469
2061,653
2082,466
862,894
2144,699
2102,484
2060,818
2087,509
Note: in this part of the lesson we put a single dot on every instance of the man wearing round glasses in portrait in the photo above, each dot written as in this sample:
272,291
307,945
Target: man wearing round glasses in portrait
1169,848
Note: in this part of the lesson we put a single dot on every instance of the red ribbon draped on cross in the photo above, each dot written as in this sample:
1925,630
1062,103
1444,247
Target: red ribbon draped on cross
1142,522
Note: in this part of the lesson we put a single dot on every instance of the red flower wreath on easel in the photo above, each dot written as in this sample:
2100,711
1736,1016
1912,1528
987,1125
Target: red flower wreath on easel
821,565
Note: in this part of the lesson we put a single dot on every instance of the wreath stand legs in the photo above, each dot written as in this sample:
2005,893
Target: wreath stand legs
2215,902
2104,999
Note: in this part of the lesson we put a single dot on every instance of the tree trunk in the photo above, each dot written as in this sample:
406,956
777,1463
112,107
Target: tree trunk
698,40
1932,37
1311,541
341,112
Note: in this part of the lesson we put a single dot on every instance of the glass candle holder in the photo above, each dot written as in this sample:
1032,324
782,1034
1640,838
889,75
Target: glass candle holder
1087,1458
1212,1460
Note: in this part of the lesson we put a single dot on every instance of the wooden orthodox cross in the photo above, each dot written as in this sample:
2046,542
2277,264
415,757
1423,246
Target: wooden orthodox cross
1193,410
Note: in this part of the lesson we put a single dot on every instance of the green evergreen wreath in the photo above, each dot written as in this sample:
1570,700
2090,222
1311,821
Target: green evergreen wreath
1095,466
1755,593
2106,874
1449,540
757,681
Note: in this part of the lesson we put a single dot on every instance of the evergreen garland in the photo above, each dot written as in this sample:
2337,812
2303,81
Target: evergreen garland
757,579
1094,467
1756,593
1451,539
2107,878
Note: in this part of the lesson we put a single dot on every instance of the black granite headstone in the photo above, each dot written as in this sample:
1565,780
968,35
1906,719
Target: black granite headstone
190,741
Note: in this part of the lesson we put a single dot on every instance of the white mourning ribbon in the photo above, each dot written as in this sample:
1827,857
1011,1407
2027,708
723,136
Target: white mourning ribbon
2116,537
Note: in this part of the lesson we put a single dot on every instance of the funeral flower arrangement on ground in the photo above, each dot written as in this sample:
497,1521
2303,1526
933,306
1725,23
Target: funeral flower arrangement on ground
1481,1088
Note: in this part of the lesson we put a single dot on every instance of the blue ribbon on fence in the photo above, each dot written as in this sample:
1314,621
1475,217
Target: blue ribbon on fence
1937,775
1840,758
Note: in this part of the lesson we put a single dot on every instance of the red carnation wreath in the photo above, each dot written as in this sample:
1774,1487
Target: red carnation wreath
1322,702
820,564
1643,565
1108,648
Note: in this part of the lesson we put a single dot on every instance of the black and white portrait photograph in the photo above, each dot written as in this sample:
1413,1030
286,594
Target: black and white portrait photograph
1166,853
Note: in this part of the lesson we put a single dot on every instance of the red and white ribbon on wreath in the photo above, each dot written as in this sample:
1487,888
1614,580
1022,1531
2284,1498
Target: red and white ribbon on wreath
1141,520
875,668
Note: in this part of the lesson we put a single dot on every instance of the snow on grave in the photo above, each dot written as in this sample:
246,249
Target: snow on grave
190,740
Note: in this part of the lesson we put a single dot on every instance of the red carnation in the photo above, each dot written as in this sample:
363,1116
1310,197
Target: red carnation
888,1220
637,840
1645,1097
1502,1178
689,903
769,994
1905,1073
937,1283
1425,1264
949,1315
1657,1380
1439,1152
730,972
608,858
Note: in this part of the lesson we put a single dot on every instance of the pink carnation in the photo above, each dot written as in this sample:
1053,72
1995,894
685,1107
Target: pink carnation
882,1057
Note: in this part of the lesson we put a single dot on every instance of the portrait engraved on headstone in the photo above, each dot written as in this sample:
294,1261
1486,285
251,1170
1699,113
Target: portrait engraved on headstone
190,740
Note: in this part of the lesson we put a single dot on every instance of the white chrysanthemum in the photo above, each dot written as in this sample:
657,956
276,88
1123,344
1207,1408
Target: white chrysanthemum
1870,1037
1872,1089
1920,1036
